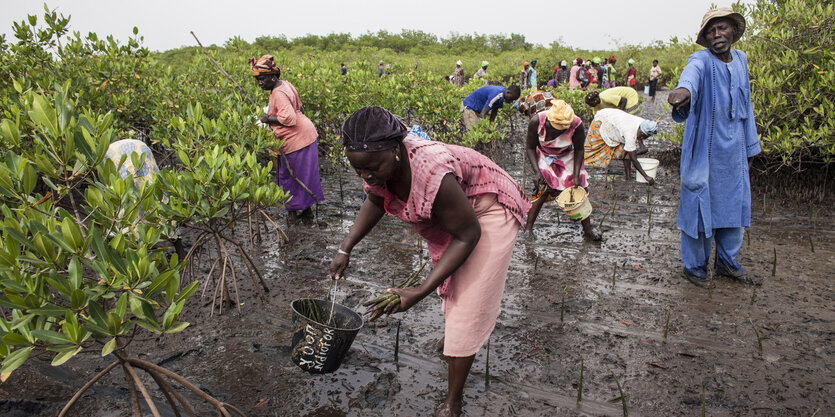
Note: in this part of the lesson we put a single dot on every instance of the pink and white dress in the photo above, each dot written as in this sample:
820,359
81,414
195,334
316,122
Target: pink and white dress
555,158
472,295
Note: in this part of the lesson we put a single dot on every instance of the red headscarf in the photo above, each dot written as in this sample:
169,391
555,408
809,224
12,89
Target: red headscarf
264,66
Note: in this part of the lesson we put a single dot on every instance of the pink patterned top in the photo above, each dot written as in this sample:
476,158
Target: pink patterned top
430,161
555,158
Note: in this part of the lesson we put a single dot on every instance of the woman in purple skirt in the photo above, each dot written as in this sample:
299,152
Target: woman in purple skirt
284,116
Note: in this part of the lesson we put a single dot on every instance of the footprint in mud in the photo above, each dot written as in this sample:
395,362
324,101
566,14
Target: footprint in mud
376,394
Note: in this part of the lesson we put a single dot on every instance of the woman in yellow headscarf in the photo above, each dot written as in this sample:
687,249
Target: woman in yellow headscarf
554,147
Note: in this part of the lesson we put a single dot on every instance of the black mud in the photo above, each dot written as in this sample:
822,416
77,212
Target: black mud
617,295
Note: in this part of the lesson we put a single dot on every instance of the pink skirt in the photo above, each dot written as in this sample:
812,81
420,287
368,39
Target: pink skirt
478,285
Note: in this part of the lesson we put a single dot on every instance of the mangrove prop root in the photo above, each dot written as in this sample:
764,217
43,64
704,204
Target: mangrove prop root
86,387
209,275
279,232
150,401
166,389
134,399
148,366
247,259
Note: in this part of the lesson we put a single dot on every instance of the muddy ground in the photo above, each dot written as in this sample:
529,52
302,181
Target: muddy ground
617,295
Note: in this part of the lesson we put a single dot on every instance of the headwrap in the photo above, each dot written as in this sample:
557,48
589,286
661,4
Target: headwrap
264,66
533,61
649,127
458,63
484,63
592,95
596,60
381,62
579,61
612,59
372,129
525,65
563,63
631,61
560,115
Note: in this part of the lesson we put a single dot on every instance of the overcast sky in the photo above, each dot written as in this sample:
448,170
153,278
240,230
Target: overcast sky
165,24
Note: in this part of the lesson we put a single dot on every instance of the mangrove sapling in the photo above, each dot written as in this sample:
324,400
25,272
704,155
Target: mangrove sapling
614,271
704,408
622,395
667,323
763,204
811,244
580,384
754,295
649,221
759,340
388,302
536,262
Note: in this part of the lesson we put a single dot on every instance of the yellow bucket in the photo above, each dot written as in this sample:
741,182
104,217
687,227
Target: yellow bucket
575,203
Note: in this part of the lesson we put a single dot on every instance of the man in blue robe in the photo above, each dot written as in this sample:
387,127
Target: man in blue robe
720,138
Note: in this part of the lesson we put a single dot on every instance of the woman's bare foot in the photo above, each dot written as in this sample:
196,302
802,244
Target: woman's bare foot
449,408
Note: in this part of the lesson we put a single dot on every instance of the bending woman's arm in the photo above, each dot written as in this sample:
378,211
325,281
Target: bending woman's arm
370,214
455,214
579,142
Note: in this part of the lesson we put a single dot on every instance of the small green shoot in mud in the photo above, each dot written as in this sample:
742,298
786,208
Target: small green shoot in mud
580,384
562,304
614,272
649,222
774,268
487,367
759,340
536,263
704,408
667,323
754,295
811,243
622,395
297,259
710,283
397,342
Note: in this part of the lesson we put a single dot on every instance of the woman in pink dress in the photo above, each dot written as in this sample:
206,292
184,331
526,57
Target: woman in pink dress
554,146
467,208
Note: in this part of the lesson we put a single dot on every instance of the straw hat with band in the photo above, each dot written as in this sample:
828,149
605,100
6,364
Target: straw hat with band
717,13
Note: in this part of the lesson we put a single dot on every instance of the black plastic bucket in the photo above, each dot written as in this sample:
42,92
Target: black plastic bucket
318,348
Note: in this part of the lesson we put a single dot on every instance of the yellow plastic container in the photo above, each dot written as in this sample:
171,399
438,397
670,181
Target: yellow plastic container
575,203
